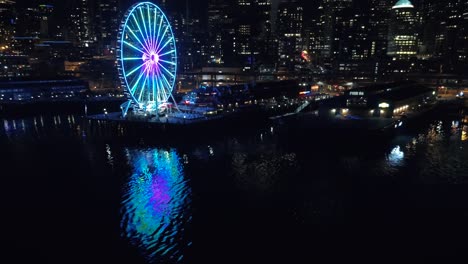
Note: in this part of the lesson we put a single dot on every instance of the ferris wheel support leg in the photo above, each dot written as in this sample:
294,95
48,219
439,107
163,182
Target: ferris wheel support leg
124,107
175,103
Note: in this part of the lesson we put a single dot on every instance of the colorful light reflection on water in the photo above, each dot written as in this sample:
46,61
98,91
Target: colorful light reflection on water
156,205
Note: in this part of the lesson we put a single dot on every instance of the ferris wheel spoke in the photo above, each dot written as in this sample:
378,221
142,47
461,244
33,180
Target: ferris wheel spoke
142,88
144,25
139,29
162,37
150,35
155,21
138,39
134,70
165,44
158,97
130,45
168,62
166,70
161,91
153,77
166,53
166,86
159,31
135,85
167,83
130,59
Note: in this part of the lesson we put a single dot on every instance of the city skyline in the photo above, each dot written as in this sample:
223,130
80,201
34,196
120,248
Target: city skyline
233,131
341,36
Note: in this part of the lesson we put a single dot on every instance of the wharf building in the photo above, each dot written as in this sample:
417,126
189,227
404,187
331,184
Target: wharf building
31,90
381,101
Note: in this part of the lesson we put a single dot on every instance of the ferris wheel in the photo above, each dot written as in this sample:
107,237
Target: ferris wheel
147,58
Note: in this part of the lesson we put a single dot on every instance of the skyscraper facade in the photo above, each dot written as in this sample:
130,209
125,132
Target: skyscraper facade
379,17
107,22
47,27
290,33
7,23
317,42
81,29
403,31
444,33
328,29
252,31
220,30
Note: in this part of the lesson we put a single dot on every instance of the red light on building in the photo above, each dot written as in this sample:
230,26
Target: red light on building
305,55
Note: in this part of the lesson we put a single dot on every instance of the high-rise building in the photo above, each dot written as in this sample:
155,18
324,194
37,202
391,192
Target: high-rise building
379,17
403,31
219,32
189,33
290,33
252,39
330,27
353,34
38,21
341,12
7,23
107,24
29,22
46,27
240,32
81,29
243,38
463,45
265,41
444,32
317,41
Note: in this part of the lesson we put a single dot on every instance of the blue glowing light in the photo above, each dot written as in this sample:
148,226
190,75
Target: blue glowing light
403,4
148,56
396,156
156,204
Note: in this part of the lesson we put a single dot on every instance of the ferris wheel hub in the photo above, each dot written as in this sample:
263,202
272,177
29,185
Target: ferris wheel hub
152,58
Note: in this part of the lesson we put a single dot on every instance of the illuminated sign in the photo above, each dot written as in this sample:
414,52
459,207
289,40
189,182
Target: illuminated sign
384,105
356,93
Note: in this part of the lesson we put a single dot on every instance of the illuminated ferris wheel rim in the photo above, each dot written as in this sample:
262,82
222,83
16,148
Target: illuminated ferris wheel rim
147,57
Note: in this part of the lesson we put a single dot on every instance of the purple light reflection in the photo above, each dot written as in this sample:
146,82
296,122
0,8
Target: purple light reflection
151,62
160,199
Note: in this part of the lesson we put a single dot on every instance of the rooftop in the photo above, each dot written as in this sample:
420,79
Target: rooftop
403,94
381,87
403,4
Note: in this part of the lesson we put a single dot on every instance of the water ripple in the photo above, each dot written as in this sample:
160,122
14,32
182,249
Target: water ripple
156,205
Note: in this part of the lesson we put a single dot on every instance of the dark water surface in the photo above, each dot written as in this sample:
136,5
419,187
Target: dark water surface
257,195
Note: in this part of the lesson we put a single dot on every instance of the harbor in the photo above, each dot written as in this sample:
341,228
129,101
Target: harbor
377,109
219,131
